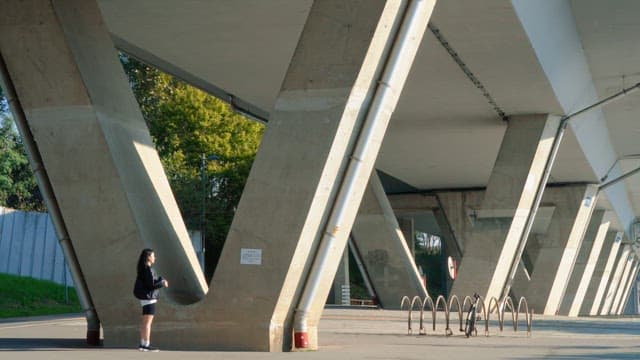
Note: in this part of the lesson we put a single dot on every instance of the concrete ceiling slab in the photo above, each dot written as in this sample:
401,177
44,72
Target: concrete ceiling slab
242,47
444,133
609,32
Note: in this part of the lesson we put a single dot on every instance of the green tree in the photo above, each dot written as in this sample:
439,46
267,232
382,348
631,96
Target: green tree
18,188
187,123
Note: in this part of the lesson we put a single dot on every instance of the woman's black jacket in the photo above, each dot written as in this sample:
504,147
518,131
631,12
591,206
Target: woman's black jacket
147,284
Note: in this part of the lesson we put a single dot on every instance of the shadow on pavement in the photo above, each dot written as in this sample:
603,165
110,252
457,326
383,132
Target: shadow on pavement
590,327
22,344
600,356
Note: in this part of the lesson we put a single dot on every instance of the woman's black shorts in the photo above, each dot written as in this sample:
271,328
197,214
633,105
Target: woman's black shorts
149,309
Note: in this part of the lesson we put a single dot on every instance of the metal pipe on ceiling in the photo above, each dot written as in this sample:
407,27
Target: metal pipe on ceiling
618,179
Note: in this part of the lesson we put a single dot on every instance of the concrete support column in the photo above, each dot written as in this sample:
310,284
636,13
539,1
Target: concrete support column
101,162
551,254
631,280
381,243
631,262
114,196
452,246
455,211
631,297
499,223
597,288
455,203
394,32
632,307
593,271
614,284
571,249
580,275
407,228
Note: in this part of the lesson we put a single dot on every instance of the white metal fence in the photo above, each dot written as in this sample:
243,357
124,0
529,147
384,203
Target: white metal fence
29,247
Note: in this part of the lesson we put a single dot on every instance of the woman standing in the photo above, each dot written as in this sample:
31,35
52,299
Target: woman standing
146,290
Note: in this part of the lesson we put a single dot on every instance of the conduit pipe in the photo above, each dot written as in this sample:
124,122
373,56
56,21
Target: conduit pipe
618,179
397,66
564,121
93,322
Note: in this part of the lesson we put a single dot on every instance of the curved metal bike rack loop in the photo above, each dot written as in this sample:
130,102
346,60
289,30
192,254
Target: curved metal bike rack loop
429,300
514,314
412,303
421,305
441,300
457,301
496,306
528,315
405,299
484,314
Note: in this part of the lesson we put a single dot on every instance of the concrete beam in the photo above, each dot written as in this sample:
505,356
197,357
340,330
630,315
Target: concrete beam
411,203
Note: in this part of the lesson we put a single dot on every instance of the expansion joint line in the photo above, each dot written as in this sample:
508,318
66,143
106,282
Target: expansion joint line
465,69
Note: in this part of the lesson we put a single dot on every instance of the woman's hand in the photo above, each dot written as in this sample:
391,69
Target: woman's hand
165,283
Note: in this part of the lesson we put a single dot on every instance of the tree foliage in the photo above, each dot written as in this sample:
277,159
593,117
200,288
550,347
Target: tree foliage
187,124
18,188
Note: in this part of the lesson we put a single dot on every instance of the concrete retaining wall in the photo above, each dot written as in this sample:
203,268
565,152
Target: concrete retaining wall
29,247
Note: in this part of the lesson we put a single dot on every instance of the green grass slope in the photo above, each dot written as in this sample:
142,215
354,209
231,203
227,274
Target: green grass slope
23,296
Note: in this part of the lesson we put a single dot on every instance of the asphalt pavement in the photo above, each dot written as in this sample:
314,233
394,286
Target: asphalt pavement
361,334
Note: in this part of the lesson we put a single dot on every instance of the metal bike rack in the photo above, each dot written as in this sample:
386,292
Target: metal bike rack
483,308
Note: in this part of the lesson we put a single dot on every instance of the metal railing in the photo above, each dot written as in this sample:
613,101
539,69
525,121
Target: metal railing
484,309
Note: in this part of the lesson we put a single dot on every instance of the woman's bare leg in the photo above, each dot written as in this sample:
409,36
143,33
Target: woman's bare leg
145,328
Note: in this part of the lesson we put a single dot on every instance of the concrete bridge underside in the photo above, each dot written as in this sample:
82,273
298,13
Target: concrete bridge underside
486,85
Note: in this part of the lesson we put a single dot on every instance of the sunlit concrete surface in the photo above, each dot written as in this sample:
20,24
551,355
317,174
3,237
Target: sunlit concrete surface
359,334
312,73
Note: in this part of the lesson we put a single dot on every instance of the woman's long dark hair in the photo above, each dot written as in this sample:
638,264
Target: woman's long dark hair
142,260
